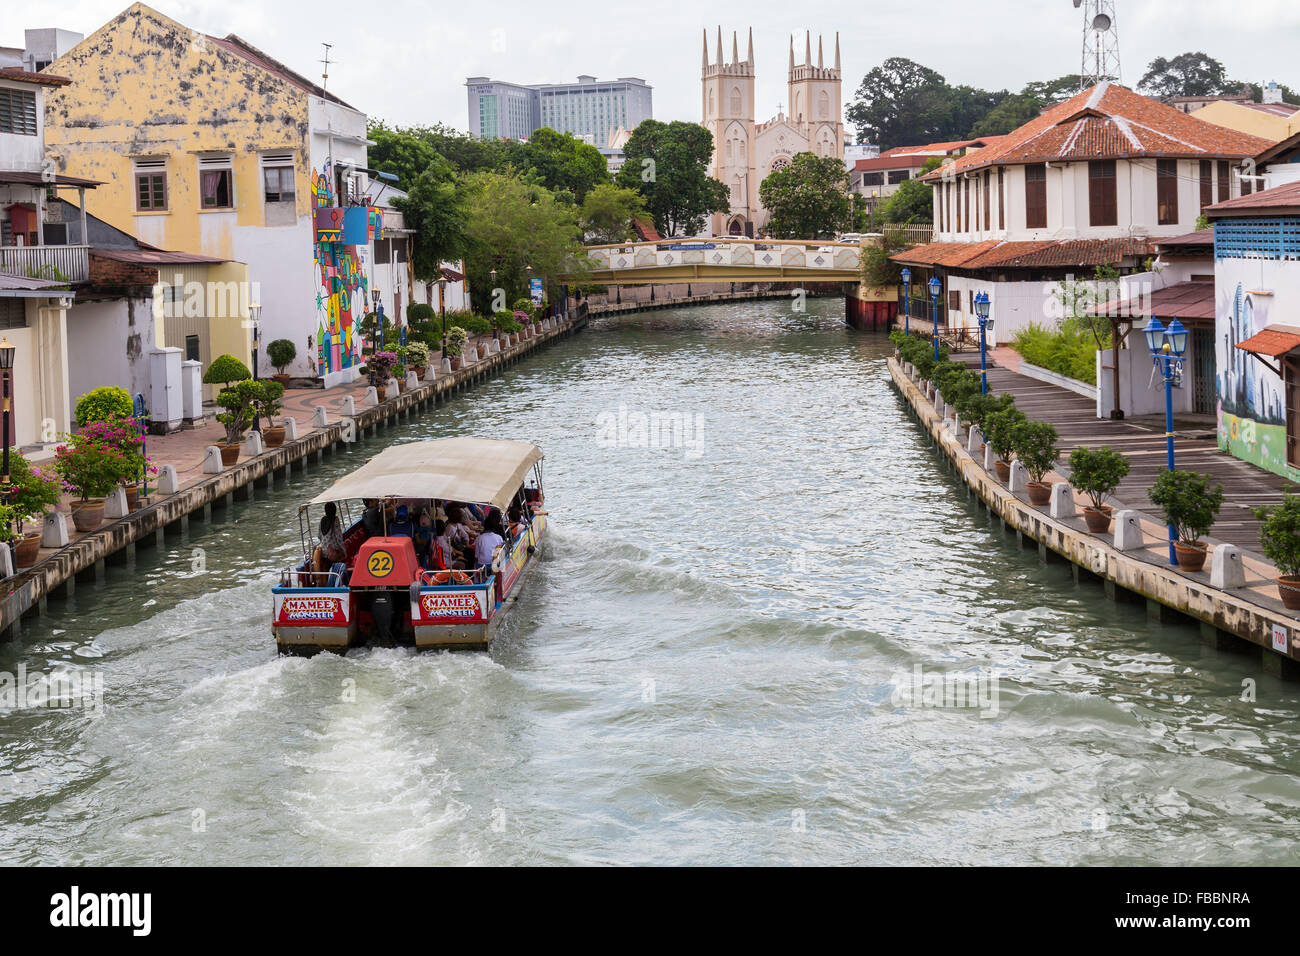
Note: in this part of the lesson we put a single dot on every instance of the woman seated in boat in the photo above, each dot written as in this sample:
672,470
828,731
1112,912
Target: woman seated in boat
518,521
330,550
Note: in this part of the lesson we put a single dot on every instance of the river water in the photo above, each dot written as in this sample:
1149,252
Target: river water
714,663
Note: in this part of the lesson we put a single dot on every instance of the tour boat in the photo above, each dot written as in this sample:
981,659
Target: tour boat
384,592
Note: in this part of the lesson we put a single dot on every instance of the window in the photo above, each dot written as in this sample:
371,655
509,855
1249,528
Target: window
18,112
216,183
1224,182
954,300
1167,192
988,220
1002,201
961,206
897,176
1101,193
192,348
13,313
873,179
1207,183
1036,196
278,182
150,185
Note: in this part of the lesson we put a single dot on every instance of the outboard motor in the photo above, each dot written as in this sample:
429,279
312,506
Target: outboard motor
381,609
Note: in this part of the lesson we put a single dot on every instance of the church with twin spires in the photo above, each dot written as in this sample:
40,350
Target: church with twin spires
746,152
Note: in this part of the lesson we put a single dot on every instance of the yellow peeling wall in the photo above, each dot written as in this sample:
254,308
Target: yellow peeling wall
145,86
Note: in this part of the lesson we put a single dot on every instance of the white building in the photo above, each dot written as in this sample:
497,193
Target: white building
1094,181
746,152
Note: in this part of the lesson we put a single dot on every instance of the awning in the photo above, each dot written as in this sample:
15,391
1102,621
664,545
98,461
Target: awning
1273,341
478,470
1184,300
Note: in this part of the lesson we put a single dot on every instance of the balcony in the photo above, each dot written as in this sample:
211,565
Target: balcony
58,263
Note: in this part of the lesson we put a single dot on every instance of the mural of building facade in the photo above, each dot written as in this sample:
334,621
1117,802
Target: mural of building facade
344,288
746,152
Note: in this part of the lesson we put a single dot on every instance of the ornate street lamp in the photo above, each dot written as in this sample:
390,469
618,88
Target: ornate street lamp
986,325
1167,347
6,373
254,319
377,299
907,300
935,288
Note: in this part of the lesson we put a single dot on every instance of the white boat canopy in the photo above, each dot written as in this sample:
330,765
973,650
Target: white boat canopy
479,470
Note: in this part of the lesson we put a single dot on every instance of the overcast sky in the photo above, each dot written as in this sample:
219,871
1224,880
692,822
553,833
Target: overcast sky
406,62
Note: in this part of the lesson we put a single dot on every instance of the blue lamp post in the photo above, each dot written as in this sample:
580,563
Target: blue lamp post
986,325
935,287
1167,347
907,301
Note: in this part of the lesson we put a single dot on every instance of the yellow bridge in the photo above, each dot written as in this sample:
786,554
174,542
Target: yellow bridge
723,260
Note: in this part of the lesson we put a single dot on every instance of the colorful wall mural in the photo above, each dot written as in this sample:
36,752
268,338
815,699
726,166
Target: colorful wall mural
343,293
1251,401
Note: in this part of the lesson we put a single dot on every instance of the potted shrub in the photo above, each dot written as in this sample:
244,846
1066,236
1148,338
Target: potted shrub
417,356
281,352
125,435
999,434
225,370
103,404
1097,472
238,402
1035,446
266,404
1279,537
90,469
456,339
32,495
1190,505
381,367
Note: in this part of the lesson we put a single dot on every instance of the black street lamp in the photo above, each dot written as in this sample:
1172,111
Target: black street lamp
6,373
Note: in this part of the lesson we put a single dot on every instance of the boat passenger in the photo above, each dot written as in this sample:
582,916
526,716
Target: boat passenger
518,521
401,526
441,554
373,517
423,541
493,537
331,536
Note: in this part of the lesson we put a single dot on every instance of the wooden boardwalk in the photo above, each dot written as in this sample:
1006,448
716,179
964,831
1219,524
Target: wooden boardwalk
1075,417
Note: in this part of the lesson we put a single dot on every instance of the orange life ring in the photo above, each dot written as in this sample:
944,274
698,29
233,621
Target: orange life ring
448,577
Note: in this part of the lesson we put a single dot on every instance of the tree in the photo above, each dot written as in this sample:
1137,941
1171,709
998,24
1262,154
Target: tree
435,209
668,164
807,199
1188,74
900,103
1051,92
404,153
513,225
559,161
608,211
1013,112
912,201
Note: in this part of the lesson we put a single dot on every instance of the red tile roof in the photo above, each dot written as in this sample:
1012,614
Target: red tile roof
154,257
1273,341
1279,197
947,147
1201,237
995,253
1186,300
23,76
1109,121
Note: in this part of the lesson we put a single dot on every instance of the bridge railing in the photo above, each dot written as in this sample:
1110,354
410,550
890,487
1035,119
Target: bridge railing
754,253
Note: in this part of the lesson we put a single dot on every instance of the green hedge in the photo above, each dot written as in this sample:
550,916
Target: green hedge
1068,349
